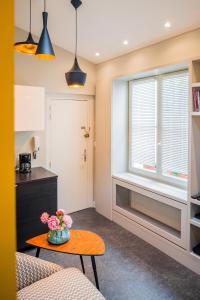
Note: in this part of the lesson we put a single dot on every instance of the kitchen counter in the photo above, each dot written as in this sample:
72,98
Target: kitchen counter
36,174
36,192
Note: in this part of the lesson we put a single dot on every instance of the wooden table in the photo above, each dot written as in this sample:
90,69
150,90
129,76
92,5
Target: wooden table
82,243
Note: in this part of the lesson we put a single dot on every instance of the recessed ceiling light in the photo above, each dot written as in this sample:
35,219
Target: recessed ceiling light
167,25
97,54
125,42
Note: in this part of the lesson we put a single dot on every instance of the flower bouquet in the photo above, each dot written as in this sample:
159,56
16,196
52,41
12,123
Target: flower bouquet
59,226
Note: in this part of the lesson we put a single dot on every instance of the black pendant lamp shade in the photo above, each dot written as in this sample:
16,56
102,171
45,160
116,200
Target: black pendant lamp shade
45,49
76,78
29,46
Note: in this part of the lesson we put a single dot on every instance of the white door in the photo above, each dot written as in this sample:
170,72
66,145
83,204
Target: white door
69,153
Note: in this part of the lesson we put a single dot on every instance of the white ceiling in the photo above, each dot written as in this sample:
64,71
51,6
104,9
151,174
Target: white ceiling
105,24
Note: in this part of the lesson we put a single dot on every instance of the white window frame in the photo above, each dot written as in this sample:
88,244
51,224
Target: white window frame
158,176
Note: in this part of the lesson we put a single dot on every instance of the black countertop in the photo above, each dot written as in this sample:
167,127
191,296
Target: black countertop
36,174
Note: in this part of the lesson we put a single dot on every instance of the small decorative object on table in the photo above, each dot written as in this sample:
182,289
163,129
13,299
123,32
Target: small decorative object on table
58,227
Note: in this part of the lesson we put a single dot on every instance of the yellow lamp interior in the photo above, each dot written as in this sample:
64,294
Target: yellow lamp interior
46,56
75,86
26,48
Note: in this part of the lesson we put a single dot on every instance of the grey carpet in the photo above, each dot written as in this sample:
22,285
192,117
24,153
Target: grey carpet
131,269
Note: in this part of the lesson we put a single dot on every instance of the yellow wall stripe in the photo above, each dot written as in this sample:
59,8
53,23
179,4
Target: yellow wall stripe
7,197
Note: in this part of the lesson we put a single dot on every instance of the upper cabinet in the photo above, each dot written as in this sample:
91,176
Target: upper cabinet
29,108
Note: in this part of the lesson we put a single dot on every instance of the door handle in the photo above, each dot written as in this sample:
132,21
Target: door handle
85,155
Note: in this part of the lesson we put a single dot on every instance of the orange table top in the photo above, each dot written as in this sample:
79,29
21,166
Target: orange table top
81,243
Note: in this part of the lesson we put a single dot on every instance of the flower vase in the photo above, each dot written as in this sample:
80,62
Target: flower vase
58,237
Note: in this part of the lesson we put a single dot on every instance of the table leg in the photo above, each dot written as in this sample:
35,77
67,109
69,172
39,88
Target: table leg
82,264
37,252
95,271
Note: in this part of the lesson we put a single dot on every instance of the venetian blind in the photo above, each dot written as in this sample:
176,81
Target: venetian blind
174,124
143,124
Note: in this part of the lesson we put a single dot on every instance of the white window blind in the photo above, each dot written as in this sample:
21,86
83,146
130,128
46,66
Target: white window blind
174,124
158,127
143,124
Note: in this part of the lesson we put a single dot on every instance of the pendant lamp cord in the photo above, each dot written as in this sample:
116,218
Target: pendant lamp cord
76,34
30,18
44,5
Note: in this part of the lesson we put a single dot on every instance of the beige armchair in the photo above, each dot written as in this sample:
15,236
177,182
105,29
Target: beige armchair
38,279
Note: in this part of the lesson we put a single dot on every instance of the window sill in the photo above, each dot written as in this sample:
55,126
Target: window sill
160,188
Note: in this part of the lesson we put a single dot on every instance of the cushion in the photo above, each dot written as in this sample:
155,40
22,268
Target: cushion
30,269
69,284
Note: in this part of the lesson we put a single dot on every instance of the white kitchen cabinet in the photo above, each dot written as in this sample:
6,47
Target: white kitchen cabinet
29,108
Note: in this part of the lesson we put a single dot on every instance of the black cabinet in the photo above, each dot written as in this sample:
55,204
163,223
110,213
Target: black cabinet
35,193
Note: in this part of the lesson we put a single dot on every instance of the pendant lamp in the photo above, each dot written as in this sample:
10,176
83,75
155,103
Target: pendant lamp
45,49
76,77
29,46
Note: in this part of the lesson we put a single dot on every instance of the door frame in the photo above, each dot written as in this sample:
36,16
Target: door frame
66,97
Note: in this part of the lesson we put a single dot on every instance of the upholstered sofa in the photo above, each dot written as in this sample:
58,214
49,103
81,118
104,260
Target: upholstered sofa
38,279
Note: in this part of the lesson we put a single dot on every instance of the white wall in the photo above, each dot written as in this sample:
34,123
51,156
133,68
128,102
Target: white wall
24,143
49,74
172,51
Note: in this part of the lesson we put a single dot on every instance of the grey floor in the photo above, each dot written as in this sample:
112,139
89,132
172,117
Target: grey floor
131,269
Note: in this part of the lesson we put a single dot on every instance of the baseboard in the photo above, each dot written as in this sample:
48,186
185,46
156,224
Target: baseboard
179,254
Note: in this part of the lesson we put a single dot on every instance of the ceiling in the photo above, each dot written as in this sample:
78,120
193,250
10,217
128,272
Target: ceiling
105,24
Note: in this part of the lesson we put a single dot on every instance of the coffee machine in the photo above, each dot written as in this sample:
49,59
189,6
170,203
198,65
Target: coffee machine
25,163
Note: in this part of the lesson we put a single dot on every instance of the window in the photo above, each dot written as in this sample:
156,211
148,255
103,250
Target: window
158,127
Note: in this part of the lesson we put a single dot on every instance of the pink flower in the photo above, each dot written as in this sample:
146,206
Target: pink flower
44,217
68,221
53,223
60,212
